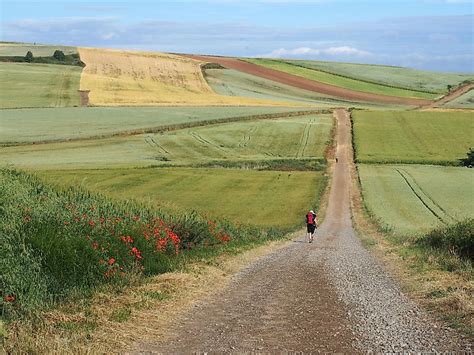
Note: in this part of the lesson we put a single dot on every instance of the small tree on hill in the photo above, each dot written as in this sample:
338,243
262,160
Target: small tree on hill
29,56
59,55
469,161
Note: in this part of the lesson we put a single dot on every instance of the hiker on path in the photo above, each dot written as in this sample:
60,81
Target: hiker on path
311,224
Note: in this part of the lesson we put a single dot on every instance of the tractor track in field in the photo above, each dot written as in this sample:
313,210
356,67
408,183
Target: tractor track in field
419,195
205,142
304,139
307,84
326,297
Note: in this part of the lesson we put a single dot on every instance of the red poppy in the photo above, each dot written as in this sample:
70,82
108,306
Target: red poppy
9,298
111,261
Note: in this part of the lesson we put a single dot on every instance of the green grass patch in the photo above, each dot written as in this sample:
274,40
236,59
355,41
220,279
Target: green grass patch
79,122
412,136
302,137
337,80
412,199
242,196
63,243
37,85
407,78
121,315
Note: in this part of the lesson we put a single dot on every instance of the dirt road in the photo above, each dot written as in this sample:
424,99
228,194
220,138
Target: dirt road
311,85
328,296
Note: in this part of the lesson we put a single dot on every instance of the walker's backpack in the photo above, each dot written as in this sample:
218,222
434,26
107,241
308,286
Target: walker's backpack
310,218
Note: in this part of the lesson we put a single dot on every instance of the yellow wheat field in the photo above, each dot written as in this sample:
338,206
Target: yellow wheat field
132,78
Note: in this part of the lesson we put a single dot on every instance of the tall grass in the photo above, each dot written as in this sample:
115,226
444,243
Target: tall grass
55,243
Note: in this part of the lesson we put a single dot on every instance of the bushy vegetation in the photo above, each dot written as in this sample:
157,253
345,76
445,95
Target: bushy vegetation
469,160
457,239
54,243
58,57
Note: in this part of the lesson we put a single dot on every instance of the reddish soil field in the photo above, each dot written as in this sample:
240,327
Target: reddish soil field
311,85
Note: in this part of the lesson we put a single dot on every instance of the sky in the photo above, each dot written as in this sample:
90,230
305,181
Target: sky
425,34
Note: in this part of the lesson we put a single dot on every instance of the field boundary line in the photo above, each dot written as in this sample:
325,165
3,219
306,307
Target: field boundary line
418,195
359,79
174,127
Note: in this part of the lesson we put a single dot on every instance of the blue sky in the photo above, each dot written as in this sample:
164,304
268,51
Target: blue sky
427,34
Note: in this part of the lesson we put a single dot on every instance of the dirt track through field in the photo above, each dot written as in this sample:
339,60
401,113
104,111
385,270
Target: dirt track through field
451,96
307,84
328,296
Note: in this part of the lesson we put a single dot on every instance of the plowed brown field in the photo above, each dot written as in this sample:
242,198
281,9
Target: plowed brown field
311,85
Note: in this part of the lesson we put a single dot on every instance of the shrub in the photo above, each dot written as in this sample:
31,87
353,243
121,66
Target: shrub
458,239
29,57
59,55
469,161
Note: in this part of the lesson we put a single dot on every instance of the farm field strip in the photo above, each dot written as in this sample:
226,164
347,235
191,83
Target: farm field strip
308,84
235,83
241,196
39,125
415,198
405,78
38,85
268,139
421,137
127,78
336,80
38,50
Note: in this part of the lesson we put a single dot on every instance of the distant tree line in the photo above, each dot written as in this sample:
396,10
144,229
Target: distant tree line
58,57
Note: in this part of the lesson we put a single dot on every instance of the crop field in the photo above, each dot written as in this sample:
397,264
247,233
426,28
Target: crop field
416,198
343,82
412,79
249,197
140,78
38,50
287,138
37,125
463,101
412,137
235,83
38,85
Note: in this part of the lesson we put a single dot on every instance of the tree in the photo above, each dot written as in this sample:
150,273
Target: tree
29,57
469,161
59,55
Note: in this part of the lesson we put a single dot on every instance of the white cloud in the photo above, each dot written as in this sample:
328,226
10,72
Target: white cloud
346,51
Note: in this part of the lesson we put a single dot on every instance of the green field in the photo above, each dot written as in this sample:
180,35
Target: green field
287,138
412,137
463,101
416,198
38,85
234,83
38,50
36,125
264,198
408,78
336,80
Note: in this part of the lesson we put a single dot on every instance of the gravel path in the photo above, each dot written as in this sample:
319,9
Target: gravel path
329,296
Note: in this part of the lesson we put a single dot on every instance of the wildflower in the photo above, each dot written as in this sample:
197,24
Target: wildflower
66,223
91,223
128,239
111,261
10,298
95,245
136,218
102,220
27,219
